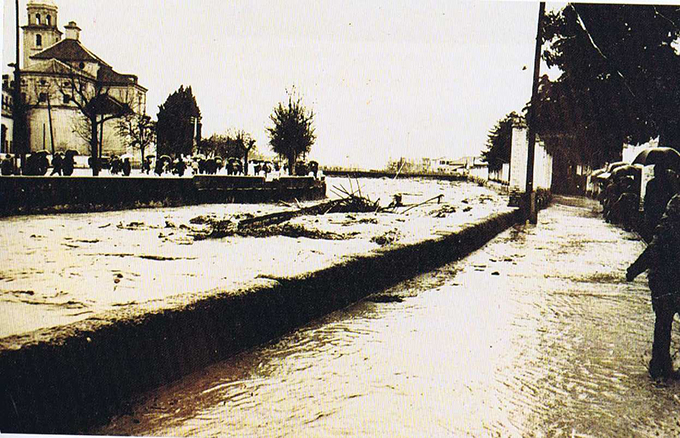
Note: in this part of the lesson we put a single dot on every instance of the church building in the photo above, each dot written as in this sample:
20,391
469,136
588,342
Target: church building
58,73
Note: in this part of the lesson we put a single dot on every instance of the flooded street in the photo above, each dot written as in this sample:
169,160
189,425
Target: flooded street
535,334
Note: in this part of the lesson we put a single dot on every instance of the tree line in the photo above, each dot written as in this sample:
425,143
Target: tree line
618,84
291,133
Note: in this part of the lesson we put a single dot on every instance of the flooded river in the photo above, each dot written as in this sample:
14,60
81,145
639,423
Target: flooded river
61,269
536,334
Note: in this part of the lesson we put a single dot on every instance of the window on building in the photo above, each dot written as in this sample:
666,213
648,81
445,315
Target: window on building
38,40
66,98
42,97
37,19
43,82
49,20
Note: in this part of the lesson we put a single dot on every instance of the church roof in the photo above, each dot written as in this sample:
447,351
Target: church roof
109,76
52,66
68,50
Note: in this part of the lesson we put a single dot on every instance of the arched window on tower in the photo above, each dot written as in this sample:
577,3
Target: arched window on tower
38,40
37,19
49,20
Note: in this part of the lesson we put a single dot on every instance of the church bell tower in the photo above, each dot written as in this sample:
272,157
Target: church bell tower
41,31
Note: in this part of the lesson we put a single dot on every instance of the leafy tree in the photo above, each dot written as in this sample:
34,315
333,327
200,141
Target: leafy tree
293,132
138,129
175,125
618,82
499,142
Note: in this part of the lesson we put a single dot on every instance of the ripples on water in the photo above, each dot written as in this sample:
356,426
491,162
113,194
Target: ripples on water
555,344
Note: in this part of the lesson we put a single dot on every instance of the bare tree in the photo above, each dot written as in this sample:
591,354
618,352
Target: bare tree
90,96
245,143
138,130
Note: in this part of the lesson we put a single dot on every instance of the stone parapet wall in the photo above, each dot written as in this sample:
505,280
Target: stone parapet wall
28,195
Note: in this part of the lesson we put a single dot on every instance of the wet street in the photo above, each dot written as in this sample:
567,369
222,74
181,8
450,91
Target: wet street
535,334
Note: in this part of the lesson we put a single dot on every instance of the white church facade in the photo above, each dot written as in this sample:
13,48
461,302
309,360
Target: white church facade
57,70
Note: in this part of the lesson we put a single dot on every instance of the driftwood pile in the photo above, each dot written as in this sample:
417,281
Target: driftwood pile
273,224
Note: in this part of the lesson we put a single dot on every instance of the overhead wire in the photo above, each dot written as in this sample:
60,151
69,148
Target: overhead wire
592,42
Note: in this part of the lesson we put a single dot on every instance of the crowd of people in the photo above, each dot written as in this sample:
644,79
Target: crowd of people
199,165
620,198
63,163
38,164
658,223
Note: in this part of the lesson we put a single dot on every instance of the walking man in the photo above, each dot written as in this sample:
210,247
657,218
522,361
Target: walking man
661,258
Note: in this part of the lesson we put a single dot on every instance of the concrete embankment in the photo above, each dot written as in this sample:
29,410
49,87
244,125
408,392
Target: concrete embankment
27,195
68,380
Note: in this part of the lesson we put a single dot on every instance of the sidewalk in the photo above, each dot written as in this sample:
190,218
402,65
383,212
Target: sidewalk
570,356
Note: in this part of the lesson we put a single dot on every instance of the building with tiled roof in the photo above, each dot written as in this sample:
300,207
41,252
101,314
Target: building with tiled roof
57,70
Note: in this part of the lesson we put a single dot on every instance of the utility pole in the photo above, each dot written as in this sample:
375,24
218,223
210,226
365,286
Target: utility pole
17,109
531,121
49,113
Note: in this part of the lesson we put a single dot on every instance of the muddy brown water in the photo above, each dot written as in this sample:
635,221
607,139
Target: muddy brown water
536,334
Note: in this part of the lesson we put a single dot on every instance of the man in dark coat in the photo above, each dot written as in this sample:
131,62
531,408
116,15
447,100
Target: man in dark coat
6,166
180,166
624,210
126,167
57,162
68,163
661,258
658,192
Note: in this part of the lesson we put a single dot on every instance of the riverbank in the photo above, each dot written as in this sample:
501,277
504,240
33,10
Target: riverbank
121,329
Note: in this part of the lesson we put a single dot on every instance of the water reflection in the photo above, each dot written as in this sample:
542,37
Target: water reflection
507,342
